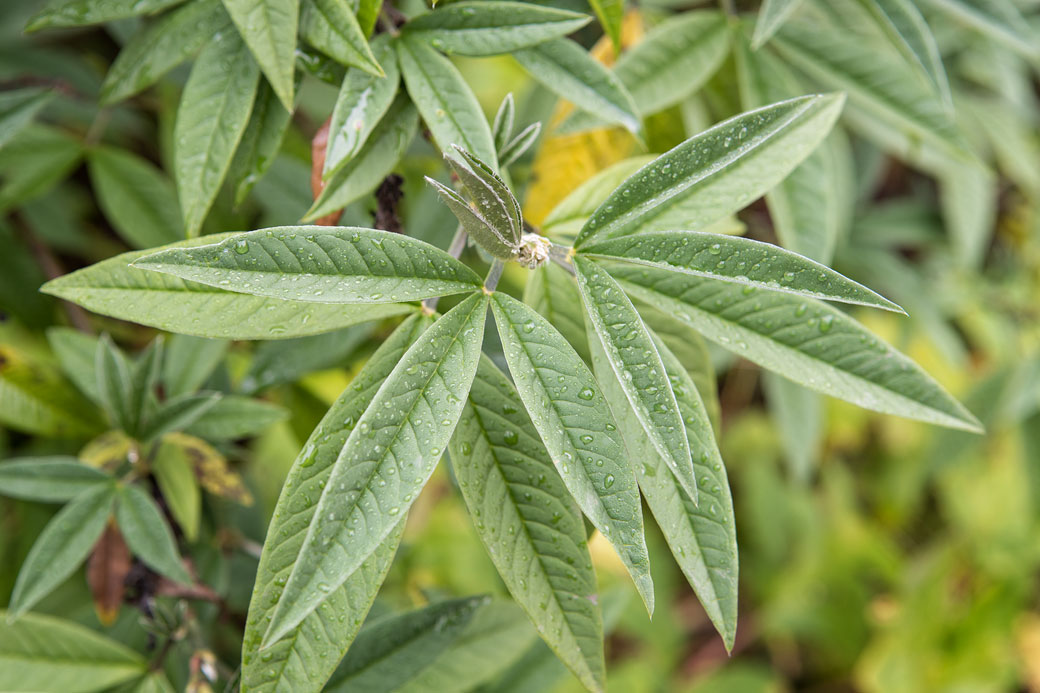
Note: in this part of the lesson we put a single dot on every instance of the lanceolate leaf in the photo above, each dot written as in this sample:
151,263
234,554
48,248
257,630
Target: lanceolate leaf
61,547
188,362
320,264
610,13
336,622
114,384
636,365
492,28
551,291
999,19
269,29
571,416
211,118
732,259
374,162
48,479
178,413
397,442
566,218
260,142
362,102
394,649
445,101
702,536
142,524
233,417
84,12
113,287
162,46
137,199
528,522
798,415
716,172
565,68
802,339
18,108
180,489
475,224
331,27
770,18
76,354
49,655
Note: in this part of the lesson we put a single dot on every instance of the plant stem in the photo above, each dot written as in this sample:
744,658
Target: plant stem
458,244
493,275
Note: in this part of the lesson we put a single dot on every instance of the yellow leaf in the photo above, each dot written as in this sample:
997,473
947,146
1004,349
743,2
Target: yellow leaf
211,468
108,451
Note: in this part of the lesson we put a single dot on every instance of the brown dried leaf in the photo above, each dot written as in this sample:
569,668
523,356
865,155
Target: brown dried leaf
107,569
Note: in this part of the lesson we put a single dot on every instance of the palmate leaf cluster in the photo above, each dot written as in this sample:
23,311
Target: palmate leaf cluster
603,400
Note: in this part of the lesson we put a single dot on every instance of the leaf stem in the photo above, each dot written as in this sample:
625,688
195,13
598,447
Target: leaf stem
493,275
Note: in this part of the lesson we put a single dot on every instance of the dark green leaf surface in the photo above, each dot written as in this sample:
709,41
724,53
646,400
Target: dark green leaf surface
445,101
528,522
386,461
146,533
115,385
188,362
113,287
571,416
61,547
137,199
802,339
336,622
84,12
492,28
260,142
492,196
269,29
332,27
76,354
178,413
17,109
732,259
716,172
232,417
33,163
475,223
48,479
162,46
289,360
636,365
566,69
320,264
43,654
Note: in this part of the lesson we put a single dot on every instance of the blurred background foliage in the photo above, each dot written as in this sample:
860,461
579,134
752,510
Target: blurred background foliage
876,554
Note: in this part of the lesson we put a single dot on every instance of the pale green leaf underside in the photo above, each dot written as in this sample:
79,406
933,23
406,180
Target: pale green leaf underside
320,264
47,479
572,418
147,534
43,654
802,339
752,264
636,365
113,287
716,172
999,19
528,522
291,662
386,460
770,18
269,29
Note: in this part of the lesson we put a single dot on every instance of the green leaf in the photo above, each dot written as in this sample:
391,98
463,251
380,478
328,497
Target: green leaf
260,142
363,100
85,12
43,654
61,547
802,339
33,163
176,480
574,422
999,19
76,352
269,29
528,522
145,381
178,413
808,208
770,18
155,682
702,536
113,287
568,216
398,441
336,623
48,479
566,69
637,367
149,538
233,417
394,649
115,384
492,196
332,27
34,398
969,196
475,223
374,162
716,172
519,145
320,264
188,363
214,111
17,109
368,14
289,360
736,260
445,101
798,415
610,13
502,127
492,28
160,47
137,199
878,83
551,291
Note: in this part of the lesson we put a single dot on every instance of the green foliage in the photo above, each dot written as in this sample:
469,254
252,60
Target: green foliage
893,143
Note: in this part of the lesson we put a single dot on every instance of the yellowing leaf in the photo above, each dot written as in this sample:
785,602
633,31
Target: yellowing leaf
107,451
211,468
